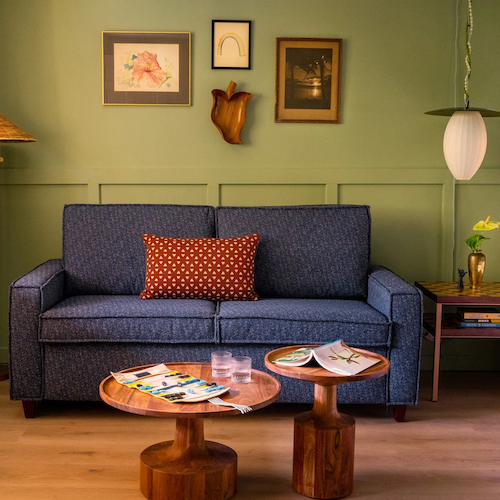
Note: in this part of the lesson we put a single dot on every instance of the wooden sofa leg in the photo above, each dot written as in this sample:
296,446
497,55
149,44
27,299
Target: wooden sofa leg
399,413
29,409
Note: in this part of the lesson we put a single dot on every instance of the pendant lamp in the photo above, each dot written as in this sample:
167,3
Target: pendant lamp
465,138
11,133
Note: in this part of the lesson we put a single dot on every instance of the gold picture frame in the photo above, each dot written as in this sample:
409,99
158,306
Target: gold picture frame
308,80
146,68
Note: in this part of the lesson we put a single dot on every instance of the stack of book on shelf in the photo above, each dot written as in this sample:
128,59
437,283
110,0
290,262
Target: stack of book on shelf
478,317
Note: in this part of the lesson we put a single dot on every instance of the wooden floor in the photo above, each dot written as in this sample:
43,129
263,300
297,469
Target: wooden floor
445,450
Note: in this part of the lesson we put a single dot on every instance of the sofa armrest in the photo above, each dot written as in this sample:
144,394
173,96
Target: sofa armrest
29,296
402,303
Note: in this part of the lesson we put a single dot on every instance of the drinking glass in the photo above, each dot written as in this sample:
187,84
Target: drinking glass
241,369
221,364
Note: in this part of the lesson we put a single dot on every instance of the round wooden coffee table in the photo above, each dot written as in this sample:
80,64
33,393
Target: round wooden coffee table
323,448
190,468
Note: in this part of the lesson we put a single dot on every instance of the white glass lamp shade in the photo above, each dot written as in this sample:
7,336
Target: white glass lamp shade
464,143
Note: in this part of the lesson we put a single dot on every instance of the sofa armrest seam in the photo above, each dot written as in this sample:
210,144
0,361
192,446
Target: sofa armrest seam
52,277
13,285
381,283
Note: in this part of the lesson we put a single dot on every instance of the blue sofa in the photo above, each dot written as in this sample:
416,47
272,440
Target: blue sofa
75,319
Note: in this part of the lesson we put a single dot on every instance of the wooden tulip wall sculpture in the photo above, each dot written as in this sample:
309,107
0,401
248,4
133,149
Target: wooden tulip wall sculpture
229,112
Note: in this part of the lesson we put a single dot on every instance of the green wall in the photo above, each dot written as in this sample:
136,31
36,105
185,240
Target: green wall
398,62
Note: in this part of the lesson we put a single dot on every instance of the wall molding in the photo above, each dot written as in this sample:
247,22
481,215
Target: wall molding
94,182
215,178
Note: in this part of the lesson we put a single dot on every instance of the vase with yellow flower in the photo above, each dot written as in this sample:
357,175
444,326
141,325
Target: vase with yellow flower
477,260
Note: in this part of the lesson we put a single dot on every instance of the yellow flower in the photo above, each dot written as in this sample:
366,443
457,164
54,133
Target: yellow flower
486,225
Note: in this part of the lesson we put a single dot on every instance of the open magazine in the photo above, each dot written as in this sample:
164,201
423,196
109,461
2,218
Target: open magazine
336,357
170,385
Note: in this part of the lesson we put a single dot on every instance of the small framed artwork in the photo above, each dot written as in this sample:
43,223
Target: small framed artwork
231,45
146,68
308,76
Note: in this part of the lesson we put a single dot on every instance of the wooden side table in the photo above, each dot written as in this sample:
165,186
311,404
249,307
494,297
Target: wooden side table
441,325
190,468
323,445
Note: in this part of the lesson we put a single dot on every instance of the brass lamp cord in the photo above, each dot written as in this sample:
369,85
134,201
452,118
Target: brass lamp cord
468,49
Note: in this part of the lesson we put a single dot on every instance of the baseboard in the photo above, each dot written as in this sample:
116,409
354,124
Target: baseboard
4,372
4,355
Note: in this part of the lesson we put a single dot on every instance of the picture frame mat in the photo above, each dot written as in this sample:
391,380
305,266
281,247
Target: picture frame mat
331,115
111,97
235,44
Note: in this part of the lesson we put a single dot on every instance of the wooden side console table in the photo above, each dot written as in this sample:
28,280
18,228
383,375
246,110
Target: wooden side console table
441,325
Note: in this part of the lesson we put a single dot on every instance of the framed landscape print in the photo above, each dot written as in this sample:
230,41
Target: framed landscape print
231,44
308,76
146,68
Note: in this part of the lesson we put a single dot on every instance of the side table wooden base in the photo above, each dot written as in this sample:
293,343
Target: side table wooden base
188,468
323,455
323,451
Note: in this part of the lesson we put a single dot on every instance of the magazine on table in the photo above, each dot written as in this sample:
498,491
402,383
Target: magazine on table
170,385
336,357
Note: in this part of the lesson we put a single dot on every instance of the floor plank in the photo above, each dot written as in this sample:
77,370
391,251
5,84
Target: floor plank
449,449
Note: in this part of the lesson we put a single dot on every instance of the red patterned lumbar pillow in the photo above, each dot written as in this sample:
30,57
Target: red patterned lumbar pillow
200,268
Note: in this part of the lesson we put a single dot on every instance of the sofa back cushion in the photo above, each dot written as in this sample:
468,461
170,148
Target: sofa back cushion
305,251
103,251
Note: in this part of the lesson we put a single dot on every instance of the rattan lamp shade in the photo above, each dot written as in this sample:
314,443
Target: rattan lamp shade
11,133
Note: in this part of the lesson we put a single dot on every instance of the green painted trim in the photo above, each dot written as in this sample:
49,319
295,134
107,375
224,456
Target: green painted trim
447,251
332,193
94,195
256,175
213,194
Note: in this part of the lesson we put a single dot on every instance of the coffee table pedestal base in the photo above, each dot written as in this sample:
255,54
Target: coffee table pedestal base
323,456
188,468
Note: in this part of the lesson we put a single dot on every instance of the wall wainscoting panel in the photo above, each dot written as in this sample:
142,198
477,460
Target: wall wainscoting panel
30,233
412,212
185,194
272,194
406,221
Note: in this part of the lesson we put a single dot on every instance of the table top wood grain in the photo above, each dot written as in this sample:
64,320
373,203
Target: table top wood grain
319,375
261,391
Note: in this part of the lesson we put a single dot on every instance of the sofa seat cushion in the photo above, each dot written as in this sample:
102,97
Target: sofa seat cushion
127,318
303,321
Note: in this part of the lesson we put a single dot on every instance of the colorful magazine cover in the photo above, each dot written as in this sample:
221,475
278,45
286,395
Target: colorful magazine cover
170,385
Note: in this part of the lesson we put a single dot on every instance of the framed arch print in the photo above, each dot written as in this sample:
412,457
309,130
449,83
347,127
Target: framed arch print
308,78
231,44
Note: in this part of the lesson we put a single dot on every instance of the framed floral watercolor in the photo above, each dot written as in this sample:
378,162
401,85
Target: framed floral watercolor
146,68
231,44
308,77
